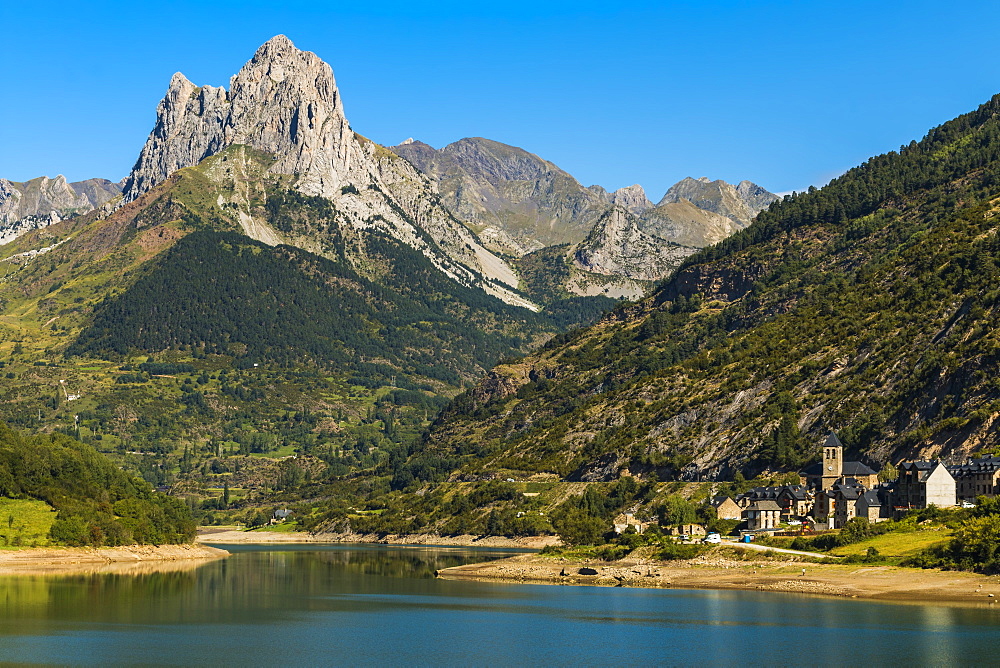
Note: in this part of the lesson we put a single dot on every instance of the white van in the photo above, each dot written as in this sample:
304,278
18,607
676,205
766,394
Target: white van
712,539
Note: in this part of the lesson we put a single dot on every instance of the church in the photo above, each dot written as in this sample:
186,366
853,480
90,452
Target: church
833,470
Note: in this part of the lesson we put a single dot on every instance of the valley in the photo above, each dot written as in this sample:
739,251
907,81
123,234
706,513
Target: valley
280,314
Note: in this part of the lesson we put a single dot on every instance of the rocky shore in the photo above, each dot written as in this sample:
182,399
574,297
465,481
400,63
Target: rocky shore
131,559
887,583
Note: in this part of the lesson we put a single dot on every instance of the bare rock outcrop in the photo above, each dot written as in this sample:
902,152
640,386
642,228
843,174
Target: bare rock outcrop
618,247
515,199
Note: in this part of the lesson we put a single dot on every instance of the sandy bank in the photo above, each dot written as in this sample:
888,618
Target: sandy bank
886,583
131,559
235,536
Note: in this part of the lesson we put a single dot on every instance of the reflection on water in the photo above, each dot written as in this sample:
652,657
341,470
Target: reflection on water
312,605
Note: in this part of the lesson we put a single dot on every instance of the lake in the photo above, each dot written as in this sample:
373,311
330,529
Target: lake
359,604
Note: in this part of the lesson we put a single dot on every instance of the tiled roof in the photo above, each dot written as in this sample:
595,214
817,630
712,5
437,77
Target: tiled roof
856,469
766,504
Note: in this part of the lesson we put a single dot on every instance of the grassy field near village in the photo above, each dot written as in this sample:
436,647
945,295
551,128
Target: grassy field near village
898,543
25,523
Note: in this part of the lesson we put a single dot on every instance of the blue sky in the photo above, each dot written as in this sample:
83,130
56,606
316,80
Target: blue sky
786,94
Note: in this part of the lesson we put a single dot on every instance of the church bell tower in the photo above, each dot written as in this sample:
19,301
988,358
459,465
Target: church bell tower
833,461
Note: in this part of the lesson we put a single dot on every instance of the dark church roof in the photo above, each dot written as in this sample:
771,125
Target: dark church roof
832,441
855,469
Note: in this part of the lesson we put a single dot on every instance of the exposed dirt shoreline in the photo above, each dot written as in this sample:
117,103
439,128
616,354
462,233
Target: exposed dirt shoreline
880,583
224,536
709,571
130,559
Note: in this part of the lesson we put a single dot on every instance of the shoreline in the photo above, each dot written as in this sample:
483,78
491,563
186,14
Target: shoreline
890,584
129,559
238,537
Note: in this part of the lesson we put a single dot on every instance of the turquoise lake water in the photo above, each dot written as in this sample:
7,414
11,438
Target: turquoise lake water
376,605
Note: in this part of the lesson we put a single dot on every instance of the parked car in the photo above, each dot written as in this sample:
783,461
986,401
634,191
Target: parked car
712,539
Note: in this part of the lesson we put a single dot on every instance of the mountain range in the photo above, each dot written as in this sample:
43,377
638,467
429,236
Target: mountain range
481,203
867,307
291,266
43,201
269,282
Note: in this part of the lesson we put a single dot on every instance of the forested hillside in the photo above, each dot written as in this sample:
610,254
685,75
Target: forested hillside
224,293
868,307
97,503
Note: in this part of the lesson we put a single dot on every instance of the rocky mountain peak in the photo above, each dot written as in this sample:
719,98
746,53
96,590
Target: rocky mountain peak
738,203
276,46
282,101
618,247
516,201
284,105
631,198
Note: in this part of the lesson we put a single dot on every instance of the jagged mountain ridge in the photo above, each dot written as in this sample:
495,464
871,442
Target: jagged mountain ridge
34,204
519,203
524,203
741,202
868,307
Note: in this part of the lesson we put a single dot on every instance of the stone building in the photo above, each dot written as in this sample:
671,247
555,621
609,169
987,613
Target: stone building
922,484
875,505
976,477
726,508
763,515
794,500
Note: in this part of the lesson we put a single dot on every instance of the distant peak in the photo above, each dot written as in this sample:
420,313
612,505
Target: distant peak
180,81
704,179
275,48
278,42
408,140
633,198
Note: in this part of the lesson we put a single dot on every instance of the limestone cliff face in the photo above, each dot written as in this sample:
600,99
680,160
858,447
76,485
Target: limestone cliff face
513,198
285,103
617,247
40,202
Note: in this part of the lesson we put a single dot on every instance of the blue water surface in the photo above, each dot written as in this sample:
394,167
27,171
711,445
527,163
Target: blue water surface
375,605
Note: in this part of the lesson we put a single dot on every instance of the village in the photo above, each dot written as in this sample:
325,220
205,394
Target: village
832,492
